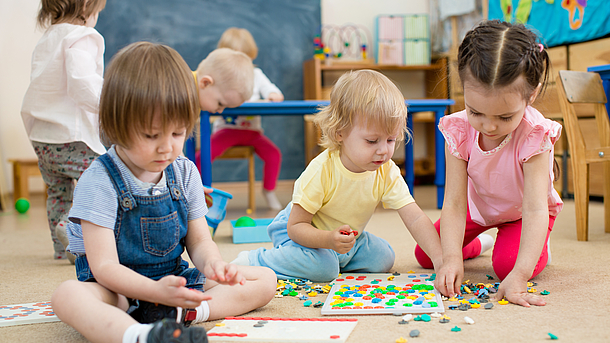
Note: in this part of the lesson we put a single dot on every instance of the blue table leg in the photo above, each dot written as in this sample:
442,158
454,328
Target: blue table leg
409,167
439,154
606,84
206,152
189,148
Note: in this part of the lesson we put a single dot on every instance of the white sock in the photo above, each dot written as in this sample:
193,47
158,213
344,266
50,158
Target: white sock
272,200
203,312
487,242
242,258
137,333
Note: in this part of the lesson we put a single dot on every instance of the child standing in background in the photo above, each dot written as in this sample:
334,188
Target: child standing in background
60,107
247,130
321,232
138,207
499,162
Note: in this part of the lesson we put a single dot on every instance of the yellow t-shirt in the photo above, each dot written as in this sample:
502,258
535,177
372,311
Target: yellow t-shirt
337,196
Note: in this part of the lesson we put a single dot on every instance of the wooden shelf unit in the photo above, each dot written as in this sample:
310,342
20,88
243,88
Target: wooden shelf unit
435,78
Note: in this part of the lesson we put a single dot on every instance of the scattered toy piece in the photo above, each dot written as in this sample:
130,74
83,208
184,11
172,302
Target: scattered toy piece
402,321
545,292
469,320
456,329
503,302
489,277
407,317
489,306
307,303
414,333
553,337
426,317
401,340
435,315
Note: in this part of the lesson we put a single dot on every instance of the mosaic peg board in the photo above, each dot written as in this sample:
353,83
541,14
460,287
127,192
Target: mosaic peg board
31,313
258,329
382,294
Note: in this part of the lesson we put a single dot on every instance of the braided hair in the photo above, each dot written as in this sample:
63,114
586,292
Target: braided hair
496,53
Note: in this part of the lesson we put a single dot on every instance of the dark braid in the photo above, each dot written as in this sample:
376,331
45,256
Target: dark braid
496,53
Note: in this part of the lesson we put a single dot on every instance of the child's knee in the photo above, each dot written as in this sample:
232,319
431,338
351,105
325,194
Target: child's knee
62,295
323,270
422,258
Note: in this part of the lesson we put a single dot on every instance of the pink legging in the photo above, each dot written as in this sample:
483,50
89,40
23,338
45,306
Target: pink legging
271,155
505,249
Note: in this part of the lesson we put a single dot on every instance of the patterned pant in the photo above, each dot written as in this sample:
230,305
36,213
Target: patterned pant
61,165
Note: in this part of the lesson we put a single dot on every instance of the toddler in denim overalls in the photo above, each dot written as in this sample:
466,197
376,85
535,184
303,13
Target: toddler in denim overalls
139,206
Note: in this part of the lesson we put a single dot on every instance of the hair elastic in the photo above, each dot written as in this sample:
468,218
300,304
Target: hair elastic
541,47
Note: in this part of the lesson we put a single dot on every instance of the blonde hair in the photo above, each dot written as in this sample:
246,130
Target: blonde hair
240,40
367,97
144,79
230,70
67,11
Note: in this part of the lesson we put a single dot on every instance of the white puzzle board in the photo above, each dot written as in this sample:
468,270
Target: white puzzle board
355,294
242,329
26,314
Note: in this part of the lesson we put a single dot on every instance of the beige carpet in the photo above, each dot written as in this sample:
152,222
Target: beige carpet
576,310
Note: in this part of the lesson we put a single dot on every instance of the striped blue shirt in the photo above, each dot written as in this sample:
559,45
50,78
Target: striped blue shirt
95,198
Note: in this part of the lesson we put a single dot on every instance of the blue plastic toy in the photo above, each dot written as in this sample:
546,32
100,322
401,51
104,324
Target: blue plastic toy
256,233
217,208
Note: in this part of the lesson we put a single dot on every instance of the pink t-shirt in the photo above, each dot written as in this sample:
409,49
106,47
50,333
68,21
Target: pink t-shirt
495,177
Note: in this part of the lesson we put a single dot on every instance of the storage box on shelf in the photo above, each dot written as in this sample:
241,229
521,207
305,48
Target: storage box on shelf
403,39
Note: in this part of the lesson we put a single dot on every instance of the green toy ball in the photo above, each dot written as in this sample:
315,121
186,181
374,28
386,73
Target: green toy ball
22,205
245,222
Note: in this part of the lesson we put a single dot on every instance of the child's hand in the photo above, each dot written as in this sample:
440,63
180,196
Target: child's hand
449,278
275,97
223,273
341,242
514,289
172,292
207,190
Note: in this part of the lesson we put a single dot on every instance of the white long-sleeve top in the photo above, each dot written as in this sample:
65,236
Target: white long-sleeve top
262,88
61,104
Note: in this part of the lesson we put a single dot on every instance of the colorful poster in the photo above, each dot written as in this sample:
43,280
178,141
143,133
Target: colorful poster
558,21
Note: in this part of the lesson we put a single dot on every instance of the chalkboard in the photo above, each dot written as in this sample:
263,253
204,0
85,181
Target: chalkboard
283,30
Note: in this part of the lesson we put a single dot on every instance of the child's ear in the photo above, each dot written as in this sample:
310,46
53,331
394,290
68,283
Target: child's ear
535,93
206,80
339,136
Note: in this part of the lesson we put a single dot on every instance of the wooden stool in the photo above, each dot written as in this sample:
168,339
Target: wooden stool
247,152
22,170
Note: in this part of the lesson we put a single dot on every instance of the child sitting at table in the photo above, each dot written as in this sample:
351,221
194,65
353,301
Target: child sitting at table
247,130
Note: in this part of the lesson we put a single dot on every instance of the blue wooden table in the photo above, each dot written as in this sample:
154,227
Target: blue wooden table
304,107
604,73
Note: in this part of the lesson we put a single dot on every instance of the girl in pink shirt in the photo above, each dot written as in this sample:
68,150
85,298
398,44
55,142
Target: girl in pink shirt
500,165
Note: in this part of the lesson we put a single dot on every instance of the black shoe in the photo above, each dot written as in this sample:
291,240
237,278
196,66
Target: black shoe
145,312
168,331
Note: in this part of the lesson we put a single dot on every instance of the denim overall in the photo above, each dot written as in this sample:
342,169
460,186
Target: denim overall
149,231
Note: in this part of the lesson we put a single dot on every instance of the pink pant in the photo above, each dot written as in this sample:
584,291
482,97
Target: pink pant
505,249
268,152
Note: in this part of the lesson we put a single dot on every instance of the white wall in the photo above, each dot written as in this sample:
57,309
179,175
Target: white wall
18,36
